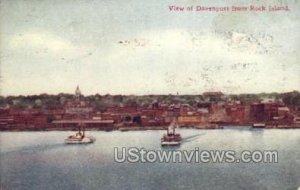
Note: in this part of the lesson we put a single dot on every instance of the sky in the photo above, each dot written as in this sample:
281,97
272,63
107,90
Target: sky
141,47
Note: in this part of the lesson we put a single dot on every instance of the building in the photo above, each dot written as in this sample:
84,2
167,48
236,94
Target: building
213,96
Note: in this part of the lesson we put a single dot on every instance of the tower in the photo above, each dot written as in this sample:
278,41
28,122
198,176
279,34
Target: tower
77,93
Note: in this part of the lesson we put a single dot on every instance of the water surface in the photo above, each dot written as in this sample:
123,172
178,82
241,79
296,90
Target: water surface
40,160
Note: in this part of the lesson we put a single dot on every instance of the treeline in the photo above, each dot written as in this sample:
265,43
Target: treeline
100,102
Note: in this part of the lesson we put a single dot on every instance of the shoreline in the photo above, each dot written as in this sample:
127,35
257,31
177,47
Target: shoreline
145,128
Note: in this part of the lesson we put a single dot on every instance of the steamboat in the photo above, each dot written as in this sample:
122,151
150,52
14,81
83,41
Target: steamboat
171,138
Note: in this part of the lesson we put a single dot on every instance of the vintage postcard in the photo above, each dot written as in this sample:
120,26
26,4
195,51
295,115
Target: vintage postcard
154,94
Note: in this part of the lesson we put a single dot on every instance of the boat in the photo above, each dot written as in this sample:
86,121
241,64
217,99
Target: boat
259,125
79,137
171,138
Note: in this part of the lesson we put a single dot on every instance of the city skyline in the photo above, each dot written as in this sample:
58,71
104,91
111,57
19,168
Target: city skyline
150,94
112,47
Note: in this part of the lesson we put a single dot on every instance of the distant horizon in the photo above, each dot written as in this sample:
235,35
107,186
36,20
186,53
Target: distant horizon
173,94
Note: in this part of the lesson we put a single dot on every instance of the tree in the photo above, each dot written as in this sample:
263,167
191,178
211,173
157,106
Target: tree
291,98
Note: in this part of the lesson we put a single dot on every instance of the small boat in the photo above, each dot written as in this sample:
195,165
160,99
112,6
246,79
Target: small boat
80,138
259,125
171,138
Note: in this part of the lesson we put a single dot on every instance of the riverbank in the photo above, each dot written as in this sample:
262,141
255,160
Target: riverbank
144,128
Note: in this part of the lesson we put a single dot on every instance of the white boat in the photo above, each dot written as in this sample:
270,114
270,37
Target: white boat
170,143
258,125
80,138
171,138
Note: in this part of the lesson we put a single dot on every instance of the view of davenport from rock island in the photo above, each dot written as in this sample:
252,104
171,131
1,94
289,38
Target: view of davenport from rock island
208,110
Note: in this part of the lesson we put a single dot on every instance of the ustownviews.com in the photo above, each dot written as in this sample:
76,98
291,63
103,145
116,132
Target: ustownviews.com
142,155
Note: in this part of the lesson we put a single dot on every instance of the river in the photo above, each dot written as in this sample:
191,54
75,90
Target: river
40,160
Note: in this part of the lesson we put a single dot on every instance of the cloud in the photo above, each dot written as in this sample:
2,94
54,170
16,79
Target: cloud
40,40
46,45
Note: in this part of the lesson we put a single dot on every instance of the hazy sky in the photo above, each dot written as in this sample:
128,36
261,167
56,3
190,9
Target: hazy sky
140,47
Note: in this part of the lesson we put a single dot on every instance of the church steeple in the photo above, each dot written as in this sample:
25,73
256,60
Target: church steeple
77,93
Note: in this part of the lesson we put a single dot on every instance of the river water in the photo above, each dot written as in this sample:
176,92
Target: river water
40,160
